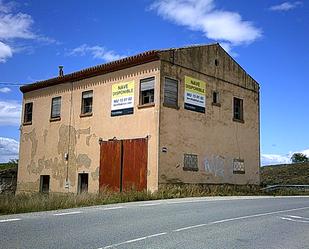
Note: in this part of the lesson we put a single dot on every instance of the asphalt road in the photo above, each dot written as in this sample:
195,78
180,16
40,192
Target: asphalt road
220,222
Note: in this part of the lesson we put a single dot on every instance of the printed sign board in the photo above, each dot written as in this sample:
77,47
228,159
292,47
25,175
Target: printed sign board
122,98
195,94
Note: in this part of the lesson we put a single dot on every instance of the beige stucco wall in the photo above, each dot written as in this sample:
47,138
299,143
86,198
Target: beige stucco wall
213,136
43,144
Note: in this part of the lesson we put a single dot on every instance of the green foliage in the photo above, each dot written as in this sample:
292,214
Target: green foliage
297,173
22,203
11,164
299,158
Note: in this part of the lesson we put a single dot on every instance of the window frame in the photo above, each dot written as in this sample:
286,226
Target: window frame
241,118
186,168
218,102
178,90
86,114
56,118
239,172
27,122
141,104
42,185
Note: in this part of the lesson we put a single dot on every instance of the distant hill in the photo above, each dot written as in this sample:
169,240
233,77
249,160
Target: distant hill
297,173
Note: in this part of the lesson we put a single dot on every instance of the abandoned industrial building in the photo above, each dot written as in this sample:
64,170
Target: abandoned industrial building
179,115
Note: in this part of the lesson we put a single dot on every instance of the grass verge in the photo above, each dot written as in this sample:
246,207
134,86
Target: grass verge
22,203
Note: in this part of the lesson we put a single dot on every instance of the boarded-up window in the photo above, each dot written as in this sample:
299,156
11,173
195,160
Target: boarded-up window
171,92
87,102
238,166
190,162
56,107
238,112
147,90
28,112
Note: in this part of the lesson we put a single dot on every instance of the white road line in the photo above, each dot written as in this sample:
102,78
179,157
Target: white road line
298,217
133,240
190,227
298,220
149,204
238,218
68,213
8,220
112,208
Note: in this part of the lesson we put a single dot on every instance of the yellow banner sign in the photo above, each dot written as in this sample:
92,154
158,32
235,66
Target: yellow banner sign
122,98
195,94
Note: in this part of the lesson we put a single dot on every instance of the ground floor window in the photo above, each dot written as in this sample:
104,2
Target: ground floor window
44,183
238,166
82,182
190,162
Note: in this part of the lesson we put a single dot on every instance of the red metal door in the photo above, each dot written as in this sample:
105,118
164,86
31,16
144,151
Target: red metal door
134,167
110,165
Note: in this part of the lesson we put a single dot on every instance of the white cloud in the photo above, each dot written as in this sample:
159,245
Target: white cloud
8,149
5,90
272,159
286,6
97,52
202,15
10,112
15,26
5,52
6,8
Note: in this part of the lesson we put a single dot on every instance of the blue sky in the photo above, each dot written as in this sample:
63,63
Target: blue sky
268,38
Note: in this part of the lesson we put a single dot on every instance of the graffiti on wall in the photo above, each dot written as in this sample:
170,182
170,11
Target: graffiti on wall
215,165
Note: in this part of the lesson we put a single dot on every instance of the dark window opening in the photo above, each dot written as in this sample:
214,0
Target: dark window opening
28,112
87,102
216,62
56,107
215,98
171,92
82,183
44,183
147,90
238,109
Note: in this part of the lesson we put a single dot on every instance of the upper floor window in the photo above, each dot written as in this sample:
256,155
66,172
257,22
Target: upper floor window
87,102
147,90
171,92
238,113
28,113
55,108
215,98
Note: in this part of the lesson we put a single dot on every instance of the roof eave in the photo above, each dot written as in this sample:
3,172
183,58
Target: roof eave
127,62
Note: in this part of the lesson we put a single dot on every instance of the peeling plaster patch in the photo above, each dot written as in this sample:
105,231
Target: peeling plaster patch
32,167
89,137
68,136
215,165
83,131
45,135
95,174
66,144
57,168
83,160
34,142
